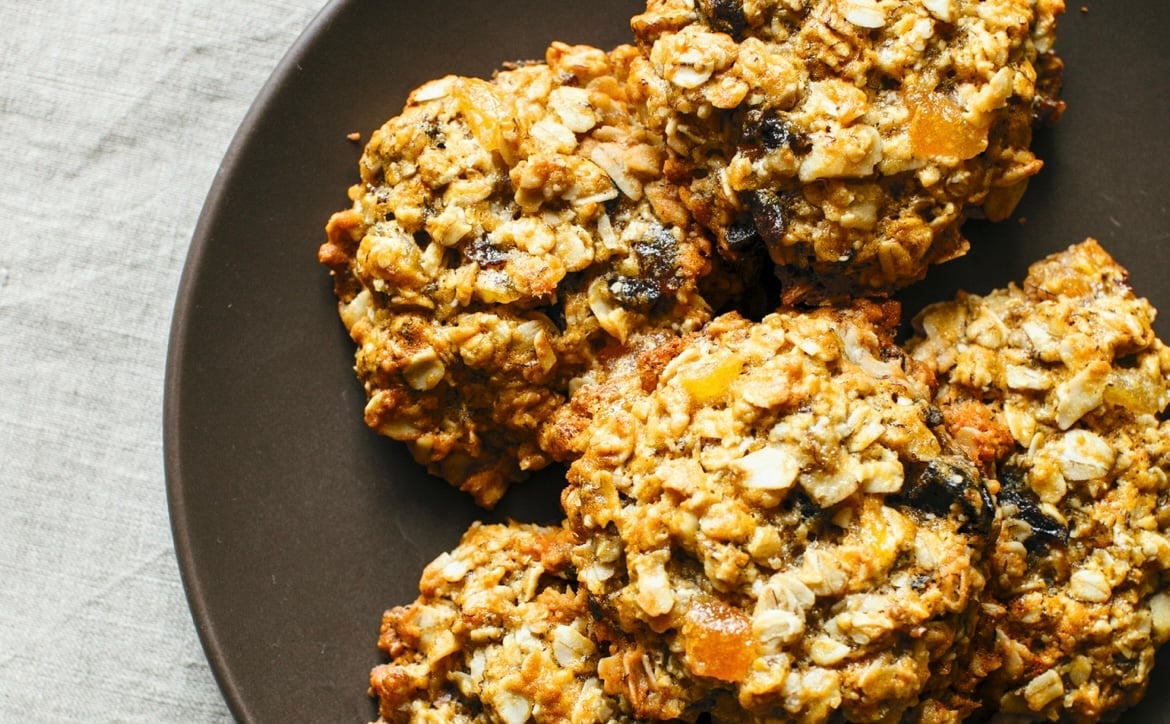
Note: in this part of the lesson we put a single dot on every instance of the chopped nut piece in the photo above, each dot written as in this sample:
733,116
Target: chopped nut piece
1043,689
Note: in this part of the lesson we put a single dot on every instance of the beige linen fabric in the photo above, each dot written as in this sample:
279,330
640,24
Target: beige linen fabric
113,119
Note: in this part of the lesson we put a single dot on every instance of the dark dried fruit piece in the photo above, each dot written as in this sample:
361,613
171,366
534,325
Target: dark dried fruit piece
770,213
741,235
1018,503
761,128
634,292
658,256
726,16
949,487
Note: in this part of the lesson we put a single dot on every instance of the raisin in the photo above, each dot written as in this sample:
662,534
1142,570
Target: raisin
1019,503
434,132
934,416
769,130
949,487
741,235
770,214
726,16
634,292
657,254
804,506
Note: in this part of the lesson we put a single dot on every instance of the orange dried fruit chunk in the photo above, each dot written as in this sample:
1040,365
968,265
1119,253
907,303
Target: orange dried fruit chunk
718,640
939,130
712,382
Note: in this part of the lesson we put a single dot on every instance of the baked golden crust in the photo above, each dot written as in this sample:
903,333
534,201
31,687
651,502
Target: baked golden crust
782,520
498,634
772,502
786,520
1056,386
852,136
505,230
501,232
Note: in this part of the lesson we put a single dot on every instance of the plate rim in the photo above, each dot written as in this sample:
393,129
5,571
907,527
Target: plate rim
193,270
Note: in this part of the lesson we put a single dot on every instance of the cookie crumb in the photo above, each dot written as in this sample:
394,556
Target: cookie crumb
354,136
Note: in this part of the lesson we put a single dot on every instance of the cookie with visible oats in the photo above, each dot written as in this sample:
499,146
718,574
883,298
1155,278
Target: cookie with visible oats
852,137
770,500
498,634
502,231
1056,386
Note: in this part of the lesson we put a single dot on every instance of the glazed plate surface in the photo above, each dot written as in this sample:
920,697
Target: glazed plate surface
295,526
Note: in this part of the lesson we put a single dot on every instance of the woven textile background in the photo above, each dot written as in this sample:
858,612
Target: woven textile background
113,119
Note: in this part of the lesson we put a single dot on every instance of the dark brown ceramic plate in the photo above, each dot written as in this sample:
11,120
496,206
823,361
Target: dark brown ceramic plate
294,525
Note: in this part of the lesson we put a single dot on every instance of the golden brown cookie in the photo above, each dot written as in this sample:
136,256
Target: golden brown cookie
771,501
1057,386
501,233
852,137
498,634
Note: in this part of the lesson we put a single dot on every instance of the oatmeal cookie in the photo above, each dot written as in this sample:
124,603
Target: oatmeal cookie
498,634
501,232
1056,387
851,136
771,500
